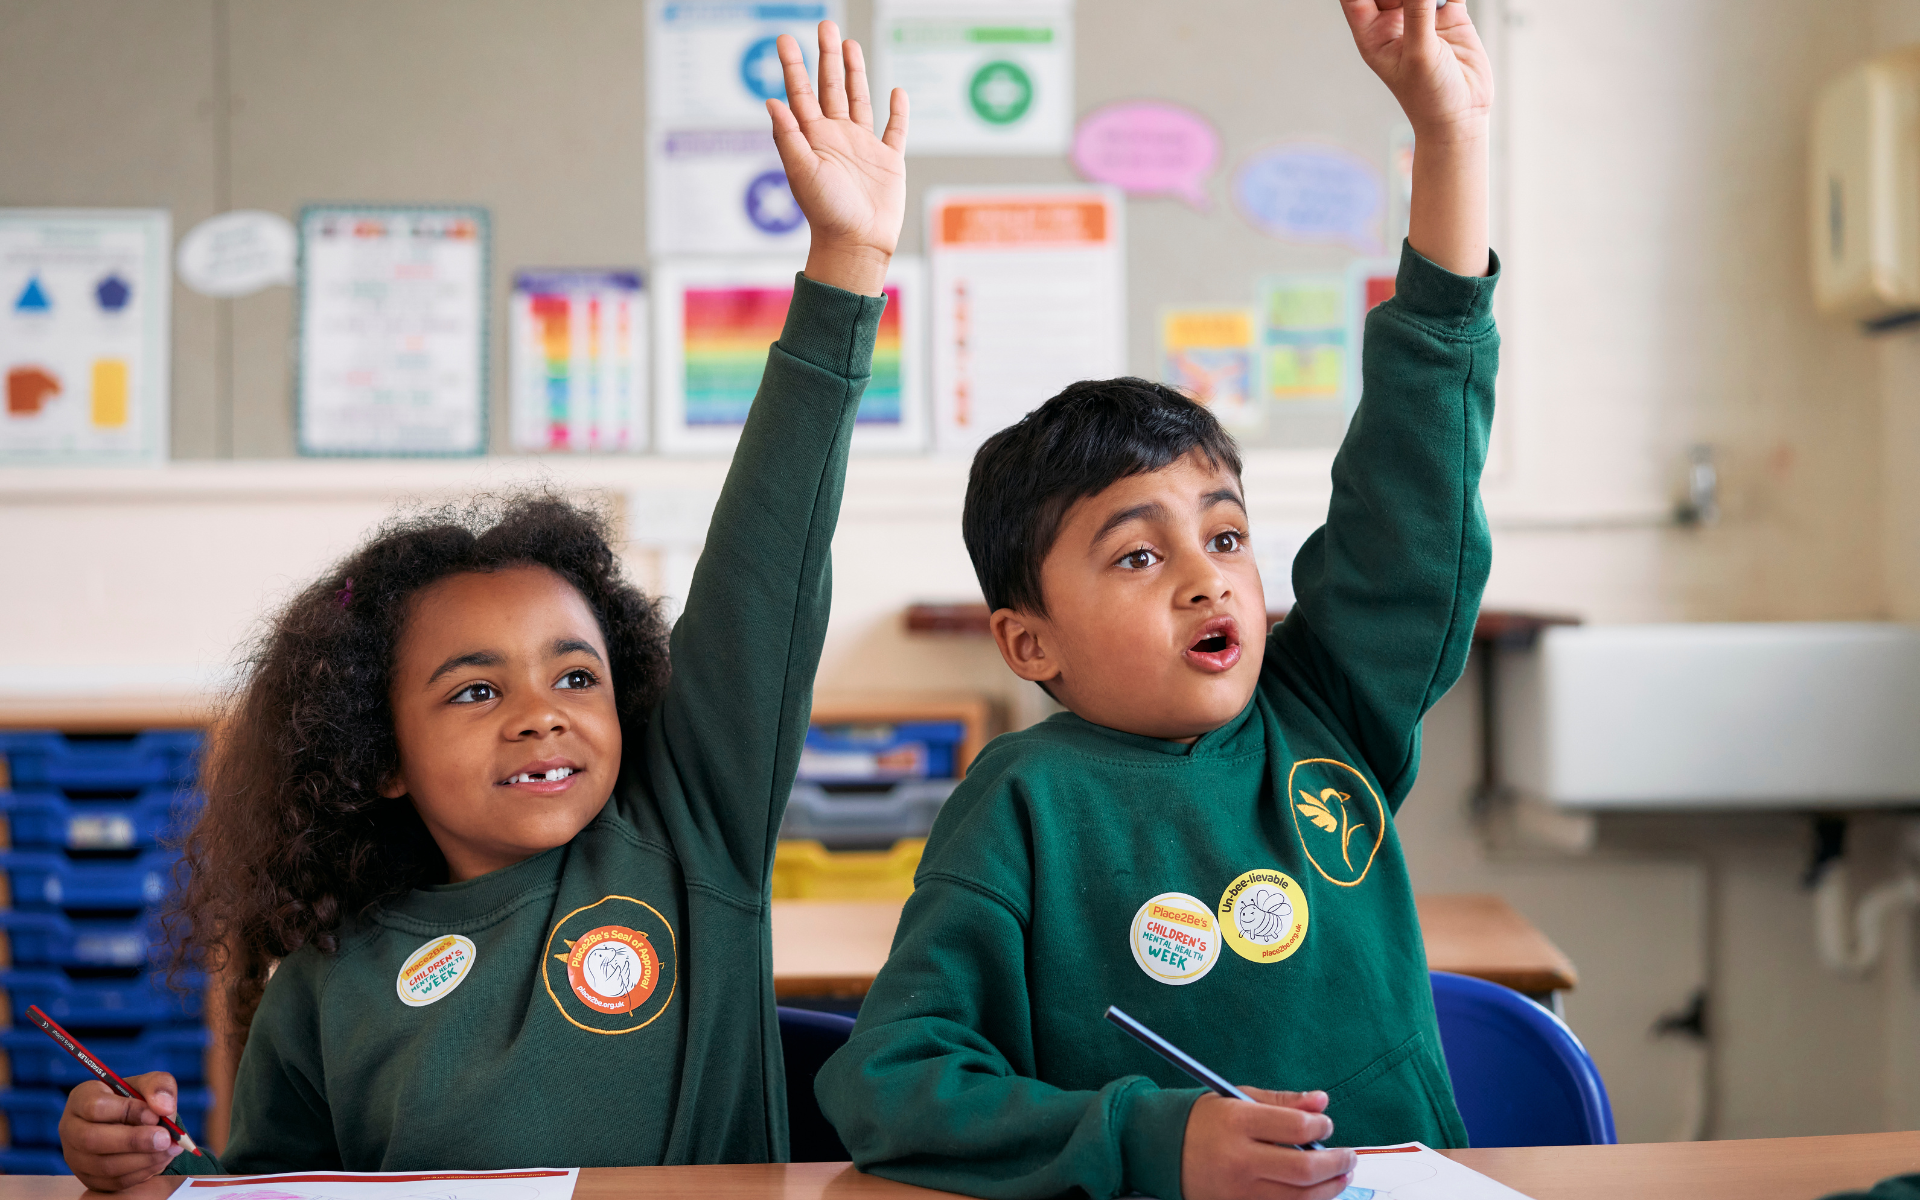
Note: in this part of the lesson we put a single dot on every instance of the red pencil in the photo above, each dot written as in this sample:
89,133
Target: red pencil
105,1073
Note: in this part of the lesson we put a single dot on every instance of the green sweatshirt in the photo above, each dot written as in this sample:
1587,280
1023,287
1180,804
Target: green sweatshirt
1245,896
609,1002
1900,1187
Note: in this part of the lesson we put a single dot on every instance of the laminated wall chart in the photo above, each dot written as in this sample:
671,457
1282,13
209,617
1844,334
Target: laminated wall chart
393,331
714,183
716,319
578,361
986,76
84,334
1028,295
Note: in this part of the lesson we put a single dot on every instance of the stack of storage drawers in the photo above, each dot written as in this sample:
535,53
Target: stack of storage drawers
87,870
866,785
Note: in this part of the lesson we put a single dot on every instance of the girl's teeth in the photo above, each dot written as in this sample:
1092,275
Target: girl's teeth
553,776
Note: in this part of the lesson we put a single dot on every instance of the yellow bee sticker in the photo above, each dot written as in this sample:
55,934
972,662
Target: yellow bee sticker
1263,915
1340,818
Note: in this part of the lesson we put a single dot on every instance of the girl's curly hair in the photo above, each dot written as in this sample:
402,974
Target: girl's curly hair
295,838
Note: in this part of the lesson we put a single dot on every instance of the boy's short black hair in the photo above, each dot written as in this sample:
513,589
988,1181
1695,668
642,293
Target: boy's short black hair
1027,476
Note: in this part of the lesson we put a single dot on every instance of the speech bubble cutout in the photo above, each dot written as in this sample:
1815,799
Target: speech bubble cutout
237,253
1311,192
1148,148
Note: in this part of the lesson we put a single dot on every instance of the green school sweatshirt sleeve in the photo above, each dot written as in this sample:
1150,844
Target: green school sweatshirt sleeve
940,1086
1388,589
726,742
281,1120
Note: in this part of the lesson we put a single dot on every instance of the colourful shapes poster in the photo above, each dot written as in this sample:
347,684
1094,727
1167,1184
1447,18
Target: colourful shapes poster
714,323
84,328
579,361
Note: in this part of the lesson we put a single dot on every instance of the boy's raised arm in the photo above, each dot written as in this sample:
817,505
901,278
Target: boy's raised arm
1389,588
727,740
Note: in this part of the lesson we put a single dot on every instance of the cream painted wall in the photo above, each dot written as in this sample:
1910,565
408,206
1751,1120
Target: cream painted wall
1649,212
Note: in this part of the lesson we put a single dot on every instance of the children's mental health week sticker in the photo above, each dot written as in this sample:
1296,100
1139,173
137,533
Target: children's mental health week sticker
434,970
1263,915
1174,938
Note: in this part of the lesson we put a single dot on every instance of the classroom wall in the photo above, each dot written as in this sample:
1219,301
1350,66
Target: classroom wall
1649,210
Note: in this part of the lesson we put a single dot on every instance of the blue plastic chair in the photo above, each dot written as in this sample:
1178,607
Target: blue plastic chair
1520,1075
807,1040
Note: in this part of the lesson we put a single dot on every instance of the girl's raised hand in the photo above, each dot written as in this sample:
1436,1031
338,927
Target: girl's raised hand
1431,60
851,185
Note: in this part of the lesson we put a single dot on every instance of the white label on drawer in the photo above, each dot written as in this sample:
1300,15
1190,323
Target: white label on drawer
100,833
111,949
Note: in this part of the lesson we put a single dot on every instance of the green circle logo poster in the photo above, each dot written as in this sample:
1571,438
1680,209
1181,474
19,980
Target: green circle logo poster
1001,93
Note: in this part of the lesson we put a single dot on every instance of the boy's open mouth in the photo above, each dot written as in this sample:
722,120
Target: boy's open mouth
1218,646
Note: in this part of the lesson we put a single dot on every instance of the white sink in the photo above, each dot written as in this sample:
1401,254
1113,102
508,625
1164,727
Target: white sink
1713,716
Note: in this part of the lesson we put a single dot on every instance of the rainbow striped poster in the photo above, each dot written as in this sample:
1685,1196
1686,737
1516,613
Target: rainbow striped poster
714,324
579,369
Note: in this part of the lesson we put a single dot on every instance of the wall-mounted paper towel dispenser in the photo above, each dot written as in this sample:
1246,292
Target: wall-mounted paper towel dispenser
1714,716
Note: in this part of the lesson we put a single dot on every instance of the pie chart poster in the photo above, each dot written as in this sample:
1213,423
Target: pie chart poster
83,335
985,77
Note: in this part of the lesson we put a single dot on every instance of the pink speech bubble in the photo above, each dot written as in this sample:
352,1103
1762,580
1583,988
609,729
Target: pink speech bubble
1148,148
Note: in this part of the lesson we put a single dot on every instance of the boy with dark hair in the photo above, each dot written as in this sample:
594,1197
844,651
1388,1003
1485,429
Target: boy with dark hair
1205,837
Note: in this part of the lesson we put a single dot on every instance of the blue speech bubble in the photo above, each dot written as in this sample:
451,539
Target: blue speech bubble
1311,192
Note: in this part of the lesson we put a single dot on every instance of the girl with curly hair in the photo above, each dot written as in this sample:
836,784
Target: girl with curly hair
485,854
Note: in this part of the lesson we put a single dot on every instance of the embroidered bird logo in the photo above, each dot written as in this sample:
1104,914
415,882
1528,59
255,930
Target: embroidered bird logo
1320,810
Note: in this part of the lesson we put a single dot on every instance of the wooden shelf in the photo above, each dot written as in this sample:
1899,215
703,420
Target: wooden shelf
1507,629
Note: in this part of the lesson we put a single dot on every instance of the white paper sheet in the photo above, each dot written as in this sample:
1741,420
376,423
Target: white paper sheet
530,1184
579,361
714,320
984,76
393,331
1411,1171
714,183
1028,295
84,334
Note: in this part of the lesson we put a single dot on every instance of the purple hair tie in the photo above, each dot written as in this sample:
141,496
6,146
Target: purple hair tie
345,594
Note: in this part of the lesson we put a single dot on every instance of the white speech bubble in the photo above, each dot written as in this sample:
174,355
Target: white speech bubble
237,253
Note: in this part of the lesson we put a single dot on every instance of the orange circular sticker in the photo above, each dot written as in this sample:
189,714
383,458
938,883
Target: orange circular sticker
612,969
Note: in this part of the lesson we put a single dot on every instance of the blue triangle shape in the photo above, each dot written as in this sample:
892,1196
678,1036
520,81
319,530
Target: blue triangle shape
33,298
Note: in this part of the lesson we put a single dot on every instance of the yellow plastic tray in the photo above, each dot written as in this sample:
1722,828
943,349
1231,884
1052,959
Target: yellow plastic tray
807,870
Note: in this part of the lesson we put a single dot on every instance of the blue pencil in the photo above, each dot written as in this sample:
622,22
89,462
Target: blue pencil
1186,1062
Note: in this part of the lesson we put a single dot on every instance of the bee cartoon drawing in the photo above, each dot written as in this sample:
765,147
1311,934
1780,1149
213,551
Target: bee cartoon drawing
1264,916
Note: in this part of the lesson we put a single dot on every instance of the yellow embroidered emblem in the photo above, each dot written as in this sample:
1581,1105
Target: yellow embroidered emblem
1346,815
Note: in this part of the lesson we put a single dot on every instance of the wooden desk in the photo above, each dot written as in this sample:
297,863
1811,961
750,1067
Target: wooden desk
834,948
1776,1169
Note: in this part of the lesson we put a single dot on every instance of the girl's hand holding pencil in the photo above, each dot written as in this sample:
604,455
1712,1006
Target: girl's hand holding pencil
116,1132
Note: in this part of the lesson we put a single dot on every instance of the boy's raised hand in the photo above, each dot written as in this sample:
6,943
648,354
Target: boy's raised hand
851,185
1240,1151
1431,60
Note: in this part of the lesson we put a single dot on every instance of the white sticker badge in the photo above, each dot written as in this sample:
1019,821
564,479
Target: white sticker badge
1174,938
434,970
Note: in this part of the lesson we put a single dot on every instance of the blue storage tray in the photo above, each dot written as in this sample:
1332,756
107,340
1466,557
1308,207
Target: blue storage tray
38,1061
54,819
881,752
33,1114
49,879
59,760
33,1162
864,820
143,999
54,939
